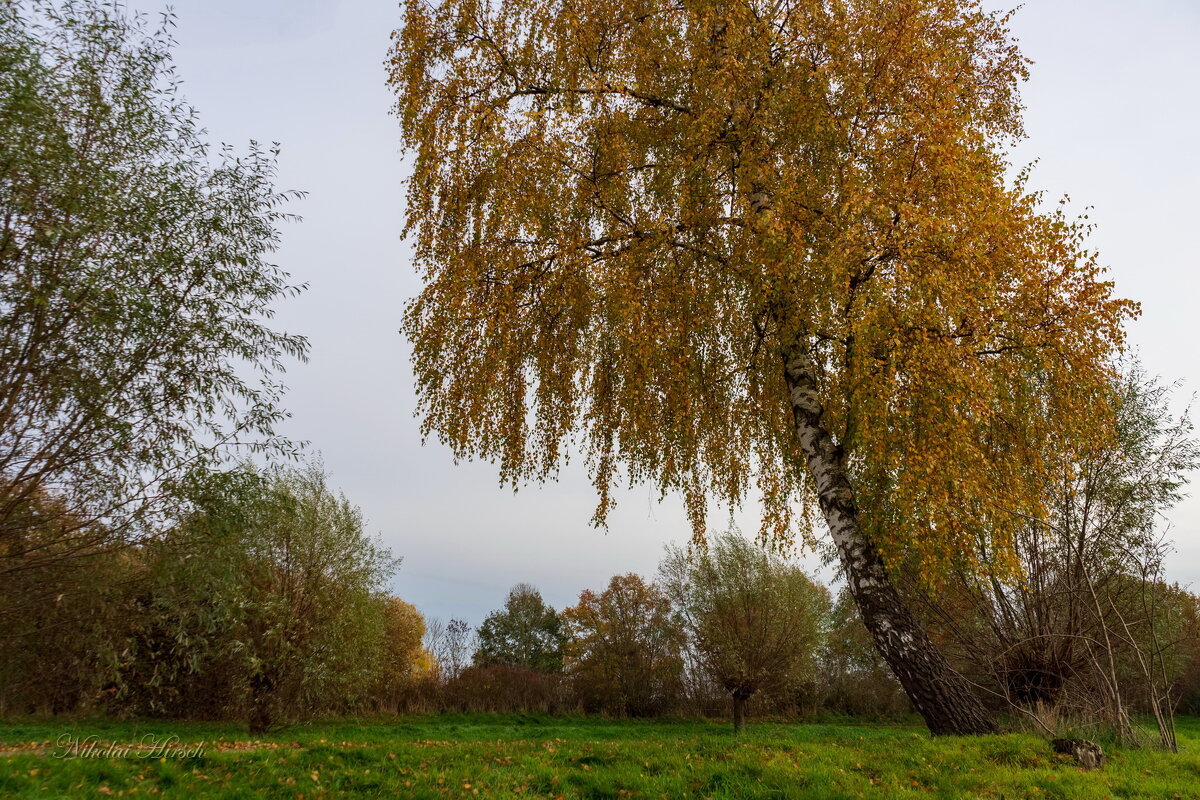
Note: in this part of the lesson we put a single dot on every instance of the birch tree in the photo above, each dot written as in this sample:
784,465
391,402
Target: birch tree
760,248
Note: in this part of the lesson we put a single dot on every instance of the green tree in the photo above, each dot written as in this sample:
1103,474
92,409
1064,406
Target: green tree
624,647
525,633
756,620
64,623
759,246
135,286
273,578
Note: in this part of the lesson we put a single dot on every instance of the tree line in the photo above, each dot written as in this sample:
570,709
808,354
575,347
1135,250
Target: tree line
267,606
732,625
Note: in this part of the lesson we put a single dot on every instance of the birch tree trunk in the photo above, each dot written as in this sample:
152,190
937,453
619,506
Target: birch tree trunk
939,693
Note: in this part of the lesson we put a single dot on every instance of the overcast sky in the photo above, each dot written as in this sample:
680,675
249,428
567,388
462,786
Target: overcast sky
1113,118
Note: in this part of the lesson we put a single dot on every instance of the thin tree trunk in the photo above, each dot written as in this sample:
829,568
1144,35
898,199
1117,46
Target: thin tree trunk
261,699
739,712
939,694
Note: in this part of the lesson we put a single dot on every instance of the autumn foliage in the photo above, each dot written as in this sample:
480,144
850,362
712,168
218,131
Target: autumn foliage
624,648
626,213
403,661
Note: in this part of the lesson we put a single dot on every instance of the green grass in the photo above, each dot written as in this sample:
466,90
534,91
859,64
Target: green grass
514,756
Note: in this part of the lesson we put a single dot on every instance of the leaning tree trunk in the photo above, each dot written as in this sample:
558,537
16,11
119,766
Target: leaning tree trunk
939,693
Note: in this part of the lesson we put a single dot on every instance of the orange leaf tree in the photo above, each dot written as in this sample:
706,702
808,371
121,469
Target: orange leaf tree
752,246
624,649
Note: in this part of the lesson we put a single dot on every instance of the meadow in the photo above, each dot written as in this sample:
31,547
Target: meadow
505,756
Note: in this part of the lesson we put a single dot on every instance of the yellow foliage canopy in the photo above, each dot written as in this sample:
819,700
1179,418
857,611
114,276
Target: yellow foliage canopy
625,211
404,659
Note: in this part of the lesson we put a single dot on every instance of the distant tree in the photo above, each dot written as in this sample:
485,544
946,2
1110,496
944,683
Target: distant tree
60,652
135,286
525,633
854,679
624,648
755,619
272,577
403,659
1188,686
452,645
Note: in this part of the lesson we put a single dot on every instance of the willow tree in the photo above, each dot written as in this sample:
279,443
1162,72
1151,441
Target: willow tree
754,620
136,286
752,247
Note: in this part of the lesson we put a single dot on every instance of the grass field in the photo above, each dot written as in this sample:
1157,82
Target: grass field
511,757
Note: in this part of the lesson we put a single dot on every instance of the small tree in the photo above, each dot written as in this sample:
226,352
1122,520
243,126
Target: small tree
1089,606
755,619
452,645
525,633
623,647
60,655
273,577
403,659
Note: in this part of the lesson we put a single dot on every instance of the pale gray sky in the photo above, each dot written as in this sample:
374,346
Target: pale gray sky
1113,116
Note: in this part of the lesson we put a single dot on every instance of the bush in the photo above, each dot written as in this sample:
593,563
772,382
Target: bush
501,688
268,594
